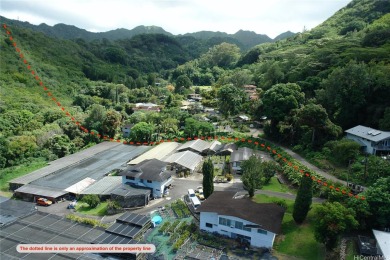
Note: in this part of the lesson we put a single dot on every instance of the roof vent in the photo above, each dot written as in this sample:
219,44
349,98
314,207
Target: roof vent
376,133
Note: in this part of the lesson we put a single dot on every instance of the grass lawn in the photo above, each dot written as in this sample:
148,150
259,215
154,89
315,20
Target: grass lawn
10,173
275,185
297,240
100,210
352,250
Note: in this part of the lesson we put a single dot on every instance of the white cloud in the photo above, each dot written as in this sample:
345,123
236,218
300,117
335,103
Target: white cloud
270,17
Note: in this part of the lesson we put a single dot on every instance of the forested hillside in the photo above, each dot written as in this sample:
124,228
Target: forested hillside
311,86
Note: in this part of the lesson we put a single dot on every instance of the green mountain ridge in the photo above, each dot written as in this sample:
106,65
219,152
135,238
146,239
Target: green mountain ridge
243,39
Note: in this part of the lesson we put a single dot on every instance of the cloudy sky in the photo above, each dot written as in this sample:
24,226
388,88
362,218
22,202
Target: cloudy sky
270,17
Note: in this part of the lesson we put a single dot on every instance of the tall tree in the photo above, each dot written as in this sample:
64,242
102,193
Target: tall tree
208,178
279,100
303,200
331,220
315,117
344,93
378,198
224,55
95,118
231,100
111,123
182,82
142,132
252,175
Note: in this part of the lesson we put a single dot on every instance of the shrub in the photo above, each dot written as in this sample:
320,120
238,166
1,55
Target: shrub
92,200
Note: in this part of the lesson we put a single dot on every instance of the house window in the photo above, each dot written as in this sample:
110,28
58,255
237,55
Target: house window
130,178
238,225
209,225
225,222
261,231
149,181
247,229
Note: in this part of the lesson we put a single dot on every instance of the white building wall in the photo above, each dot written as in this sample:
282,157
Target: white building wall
369,147
158,187
257,239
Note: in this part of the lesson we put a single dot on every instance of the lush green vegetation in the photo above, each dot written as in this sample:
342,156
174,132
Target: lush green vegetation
99,210
297,240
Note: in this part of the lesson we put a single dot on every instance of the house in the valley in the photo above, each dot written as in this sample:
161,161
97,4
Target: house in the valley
146,107
371,140
240,155
241,218
151,174
250,90
126,129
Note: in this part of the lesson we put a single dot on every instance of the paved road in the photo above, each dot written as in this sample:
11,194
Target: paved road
313,167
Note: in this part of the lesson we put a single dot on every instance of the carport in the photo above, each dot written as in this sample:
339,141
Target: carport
30,192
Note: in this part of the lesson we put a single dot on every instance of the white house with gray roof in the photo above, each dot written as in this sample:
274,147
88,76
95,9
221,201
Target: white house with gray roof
151,174
373,141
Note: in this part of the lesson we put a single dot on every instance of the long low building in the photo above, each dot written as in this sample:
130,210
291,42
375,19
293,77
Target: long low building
158,152
76,174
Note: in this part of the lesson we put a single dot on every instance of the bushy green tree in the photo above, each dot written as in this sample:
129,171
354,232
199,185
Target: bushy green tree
331,220
208,178
279,100
303,199
92,200
252,175
231,100
378,199
142,132
111,123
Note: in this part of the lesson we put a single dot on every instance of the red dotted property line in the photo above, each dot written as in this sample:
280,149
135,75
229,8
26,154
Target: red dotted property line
261,145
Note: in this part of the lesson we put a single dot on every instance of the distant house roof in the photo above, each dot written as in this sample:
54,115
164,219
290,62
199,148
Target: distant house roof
153,170
268,215
368,133
243,117
186,159
227,149
383,240
158,152
196,145
242,154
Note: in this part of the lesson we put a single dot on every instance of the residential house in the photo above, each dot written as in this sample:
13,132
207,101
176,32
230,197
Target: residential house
241,218
126,129
371,140
196,97
240,155
250,90
146,107
151,173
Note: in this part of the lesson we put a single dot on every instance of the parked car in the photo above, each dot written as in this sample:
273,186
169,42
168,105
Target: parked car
199,193
44,202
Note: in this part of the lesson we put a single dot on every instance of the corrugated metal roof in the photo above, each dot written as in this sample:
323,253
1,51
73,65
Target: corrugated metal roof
78,187
64,162
242,154
104,186
41,191
368,133
186,159
158,152
197,145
